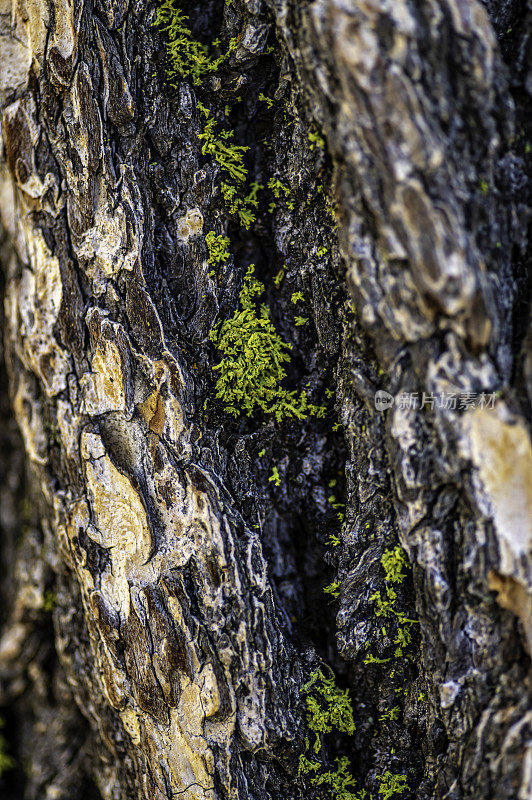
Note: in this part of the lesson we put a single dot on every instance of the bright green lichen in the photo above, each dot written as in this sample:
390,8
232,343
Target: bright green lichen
316,140
390,714
243,206
279,190
392,784
219,146
279,277
275,477
340,781
253,354
187,58
329,709
333,589
218,247
394,564
268,100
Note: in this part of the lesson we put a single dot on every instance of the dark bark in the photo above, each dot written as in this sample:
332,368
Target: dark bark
162,597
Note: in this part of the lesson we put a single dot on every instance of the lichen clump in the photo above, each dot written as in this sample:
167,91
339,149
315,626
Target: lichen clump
219,145
187,58
329,709
390,785
218,247
394,564
251,371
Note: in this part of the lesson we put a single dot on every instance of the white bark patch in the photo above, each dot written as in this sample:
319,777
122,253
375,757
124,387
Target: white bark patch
29,21
502,453
130,721
120,524
106,247
39,300
15,52
103,388
69,426
65,35
21,135
191,224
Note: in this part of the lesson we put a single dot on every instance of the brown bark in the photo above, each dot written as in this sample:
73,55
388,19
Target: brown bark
186,585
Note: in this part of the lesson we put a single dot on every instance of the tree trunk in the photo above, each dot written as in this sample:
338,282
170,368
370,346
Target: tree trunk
165,629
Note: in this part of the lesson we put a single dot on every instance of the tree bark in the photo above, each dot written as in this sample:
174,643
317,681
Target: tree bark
163,562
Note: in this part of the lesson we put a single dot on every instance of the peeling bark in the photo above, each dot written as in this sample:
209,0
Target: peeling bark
187,587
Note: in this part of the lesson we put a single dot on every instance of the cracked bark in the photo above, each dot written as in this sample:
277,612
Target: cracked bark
188,606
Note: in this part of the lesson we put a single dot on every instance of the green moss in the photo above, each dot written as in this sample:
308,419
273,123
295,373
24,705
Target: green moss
392,784
296,297
49,601
316,140
329,709
219,145
253,354
218,247
187,58
268,100
279,277
279,191
394,564
333,589
300,321
6,762
275,477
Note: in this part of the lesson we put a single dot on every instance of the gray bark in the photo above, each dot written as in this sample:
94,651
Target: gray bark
162,598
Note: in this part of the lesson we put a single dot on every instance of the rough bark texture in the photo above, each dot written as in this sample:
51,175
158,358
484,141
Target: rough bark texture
162,597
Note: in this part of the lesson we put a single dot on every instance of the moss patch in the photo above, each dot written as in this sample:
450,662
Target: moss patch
187,58
253,354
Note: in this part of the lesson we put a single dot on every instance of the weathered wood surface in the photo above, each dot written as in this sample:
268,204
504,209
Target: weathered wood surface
188,587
